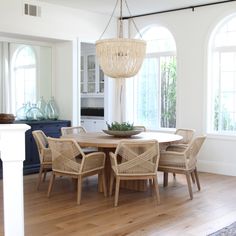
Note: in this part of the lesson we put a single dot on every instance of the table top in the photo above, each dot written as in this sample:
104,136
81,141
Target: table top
102,140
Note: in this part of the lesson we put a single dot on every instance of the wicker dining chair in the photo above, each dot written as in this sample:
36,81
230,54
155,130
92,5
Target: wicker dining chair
45,155
182,162
78,130
73,130
65,162
135,160
187,135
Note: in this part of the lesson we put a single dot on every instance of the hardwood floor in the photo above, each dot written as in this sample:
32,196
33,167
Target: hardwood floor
137,213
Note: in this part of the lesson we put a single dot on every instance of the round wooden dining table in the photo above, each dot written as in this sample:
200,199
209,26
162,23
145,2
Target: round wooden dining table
102,140
108,143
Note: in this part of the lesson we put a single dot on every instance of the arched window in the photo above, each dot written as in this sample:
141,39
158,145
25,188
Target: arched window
155,85
23,77
222,79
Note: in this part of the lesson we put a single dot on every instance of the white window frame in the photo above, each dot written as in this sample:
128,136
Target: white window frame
210,84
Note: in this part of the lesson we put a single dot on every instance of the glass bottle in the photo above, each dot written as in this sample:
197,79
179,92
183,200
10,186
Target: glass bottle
41,104
34,113
22,111
52,110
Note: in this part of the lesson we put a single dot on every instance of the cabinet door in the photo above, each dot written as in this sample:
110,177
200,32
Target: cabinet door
88,125
91,74
83,86
93,125
100,88
99,125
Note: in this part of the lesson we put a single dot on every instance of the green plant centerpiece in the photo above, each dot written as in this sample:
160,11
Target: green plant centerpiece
123,129
124,126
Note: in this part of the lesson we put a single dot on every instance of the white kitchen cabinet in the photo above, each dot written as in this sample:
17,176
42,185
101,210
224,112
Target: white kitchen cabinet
93,125
92,77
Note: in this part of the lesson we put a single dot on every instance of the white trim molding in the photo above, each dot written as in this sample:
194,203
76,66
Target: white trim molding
217,167
12,150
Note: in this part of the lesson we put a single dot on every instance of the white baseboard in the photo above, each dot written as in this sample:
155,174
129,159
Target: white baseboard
217,167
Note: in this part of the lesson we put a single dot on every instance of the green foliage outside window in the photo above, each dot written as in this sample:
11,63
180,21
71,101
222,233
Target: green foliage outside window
168,92
222,118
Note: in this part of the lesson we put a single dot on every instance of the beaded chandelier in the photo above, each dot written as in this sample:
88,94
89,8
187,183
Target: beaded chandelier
120,57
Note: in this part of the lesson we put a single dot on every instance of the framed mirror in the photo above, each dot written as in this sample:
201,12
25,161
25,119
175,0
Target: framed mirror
25,74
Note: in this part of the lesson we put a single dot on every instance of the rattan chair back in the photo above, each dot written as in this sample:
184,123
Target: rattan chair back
73,130
187,135
42,146
137,157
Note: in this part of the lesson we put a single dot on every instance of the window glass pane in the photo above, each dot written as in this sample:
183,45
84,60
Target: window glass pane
147,90
91,87
168,92
223,79
159,39
226,35
227,81
155,99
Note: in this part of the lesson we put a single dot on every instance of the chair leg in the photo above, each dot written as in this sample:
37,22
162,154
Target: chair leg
197,179
156,187
39,177
51,183
189,185
79,189
44,176
111,183
117,191
193,178
165,182
104,183
151,185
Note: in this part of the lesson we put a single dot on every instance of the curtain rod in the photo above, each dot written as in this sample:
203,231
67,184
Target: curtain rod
176,9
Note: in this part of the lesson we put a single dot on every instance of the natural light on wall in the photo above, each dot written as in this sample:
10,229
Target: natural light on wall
154,88
222,79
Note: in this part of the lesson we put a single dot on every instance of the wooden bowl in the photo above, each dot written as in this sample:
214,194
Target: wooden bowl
6,118
118,133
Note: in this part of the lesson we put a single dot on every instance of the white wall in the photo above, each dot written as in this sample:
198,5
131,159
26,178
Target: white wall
63,82
61,26
191,30
55,22
45,72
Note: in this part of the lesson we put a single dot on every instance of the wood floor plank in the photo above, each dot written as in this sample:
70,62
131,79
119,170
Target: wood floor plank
137,213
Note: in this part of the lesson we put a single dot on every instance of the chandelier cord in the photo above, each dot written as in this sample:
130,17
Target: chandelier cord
109,20
121,21
133,19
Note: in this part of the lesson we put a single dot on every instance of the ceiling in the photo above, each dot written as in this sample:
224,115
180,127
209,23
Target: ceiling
136,6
